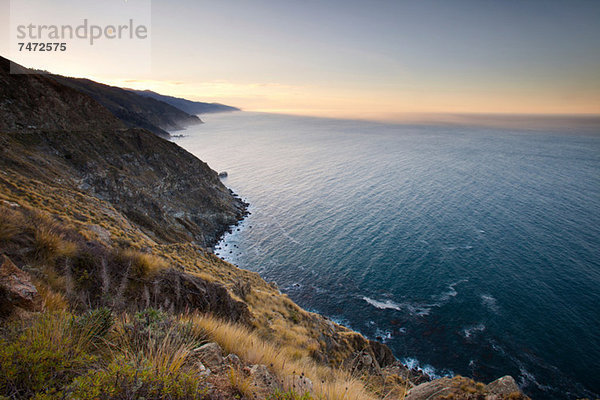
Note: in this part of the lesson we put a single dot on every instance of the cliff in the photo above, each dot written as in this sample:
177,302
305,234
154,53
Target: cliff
69,137
108,289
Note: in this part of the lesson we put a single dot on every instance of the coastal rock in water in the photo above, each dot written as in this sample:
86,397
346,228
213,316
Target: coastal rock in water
16,288
223,174
211,355
503,386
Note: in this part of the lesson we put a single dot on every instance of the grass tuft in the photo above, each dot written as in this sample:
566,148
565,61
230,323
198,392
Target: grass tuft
329,384
242,385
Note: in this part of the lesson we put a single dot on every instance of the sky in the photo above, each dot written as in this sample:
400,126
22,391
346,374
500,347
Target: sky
365,59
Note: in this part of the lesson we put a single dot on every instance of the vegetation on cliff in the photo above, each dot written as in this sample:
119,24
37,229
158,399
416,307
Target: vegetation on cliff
109,290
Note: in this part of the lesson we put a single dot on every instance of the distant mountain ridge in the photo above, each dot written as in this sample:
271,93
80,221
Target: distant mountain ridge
134,110
189,106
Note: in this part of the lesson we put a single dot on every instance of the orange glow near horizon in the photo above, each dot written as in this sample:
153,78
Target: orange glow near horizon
345,103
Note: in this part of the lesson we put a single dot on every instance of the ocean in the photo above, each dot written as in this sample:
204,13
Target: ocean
467,250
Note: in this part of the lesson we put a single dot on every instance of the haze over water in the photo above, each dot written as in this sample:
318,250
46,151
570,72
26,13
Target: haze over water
467,250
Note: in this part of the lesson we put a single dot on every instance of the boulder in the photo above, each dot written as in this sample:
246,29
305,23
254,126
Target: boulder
262,379
16,288
211,355
503,386
233,361
430,390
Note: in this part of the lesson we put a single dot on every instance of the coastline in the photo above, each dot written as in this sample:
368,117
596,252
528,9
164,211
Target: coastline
412,367
242,212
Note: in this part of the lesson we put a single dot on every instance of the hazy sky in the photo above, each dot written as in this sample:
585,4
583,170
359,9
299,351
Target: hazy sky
375,58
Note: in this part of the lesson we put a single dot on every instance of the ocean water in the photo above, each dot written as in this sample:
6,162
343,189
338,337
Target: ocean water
467,250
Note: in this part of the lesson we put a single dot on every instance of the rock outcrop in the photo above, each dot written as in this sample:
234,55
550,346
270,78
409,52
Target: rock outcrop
461,388
504,386
211,356
16,289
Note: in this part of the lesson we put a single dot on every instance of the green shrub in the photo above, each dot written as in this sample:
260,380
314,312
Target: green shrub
44,358
94,324
124,379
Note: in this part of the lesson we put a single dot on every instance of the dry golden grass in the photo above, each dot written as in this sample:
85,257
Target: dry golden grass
49,243
241,383
10,223
143,265
329,384
51,301
285,335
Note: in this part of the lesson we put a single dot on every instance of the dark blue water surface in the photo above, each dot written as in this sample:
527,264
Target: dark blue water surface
471,251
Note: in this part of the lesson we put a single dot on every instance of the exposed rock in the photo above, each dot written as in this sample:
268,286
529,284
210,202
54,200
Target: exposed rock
415,377
223,174
184,291
430,390
233,361
363,363
262,378
16,288
503,386
211,355
202,370
383,354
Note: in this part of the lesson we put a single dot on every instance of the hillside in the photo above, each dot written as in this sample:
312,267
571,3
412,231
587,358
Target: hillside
134,110
190,107
166,191
109,289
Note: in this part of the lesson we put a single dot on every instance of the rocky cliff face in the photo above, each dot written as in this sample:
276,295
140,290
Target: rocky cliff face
70,137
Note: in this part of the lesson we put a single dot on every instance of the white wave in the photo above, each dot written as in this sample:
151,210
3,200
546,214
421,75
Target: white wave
452,292
490,302
414,364
383,305
526,378
414,309
471,330
384,335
